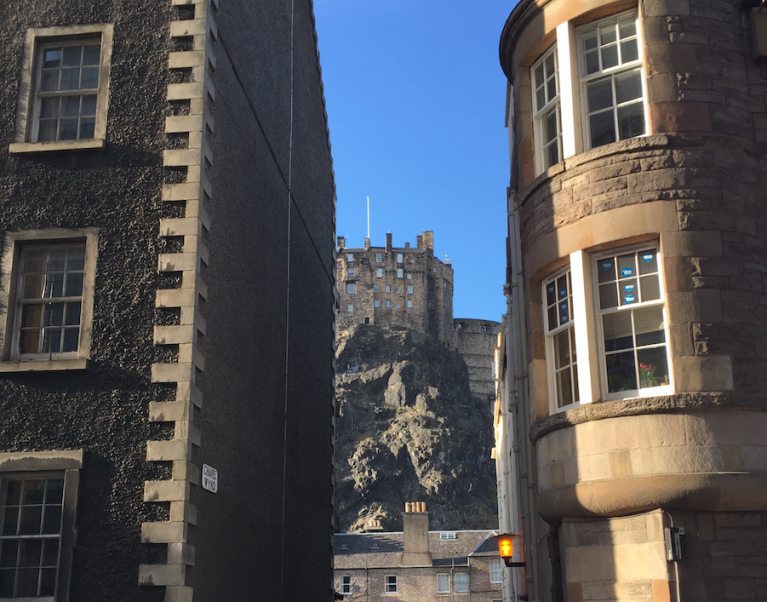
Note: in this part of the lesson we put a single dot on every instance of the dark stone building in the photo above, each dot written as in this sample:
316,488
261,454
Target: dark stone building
167,216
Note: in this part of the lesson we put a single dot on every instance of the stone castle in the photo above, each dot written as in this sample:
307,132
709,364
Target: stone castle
408,286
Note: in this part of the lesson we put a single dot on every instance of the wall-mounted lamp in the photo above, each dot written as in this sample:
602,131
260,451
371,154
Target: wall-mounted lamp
506,549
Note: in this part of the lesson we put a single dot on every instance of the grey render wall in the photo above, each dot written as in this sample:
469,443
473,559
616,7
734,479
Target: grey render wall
117,190
266,425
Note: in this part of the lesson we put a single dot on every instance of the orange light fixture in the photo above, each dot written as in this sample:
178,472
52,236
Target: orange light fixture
506,549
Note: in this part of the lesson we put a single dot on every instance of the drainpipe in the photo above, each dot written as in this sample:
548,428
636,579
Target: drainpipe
519,405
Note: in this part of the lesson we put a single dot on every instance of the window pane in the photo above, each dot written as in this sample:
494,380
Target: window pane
7,582
621,373
606,269
551,88
617,331
564,388
54,491
47,130
653,367
562,349
628,86
71,339
647,261
70,79
627,29
26,584
626,266
47,582
610,56
30,520
564,312
52,519
74,284
68,129
648,323
629,51
631,120
52,340
592,62
602,128
9,551
552,318
88,105
552,154
91,54
540,98
29,341
72,317
90,78
550,129
628,291
607,34
49,107
600,94
551,295
87,128
70,106
590,41
71,56
49,80
549,65
55,314
10,521
51,552
51,57
30,552
650,287
33,286
33,491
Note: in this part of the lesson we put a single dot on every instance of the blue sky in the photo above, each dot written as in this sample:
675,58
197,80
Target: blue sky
415,99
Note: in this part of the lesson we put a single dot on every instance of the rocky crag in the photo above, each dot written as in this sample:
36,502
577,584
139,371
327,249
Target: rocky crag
409,430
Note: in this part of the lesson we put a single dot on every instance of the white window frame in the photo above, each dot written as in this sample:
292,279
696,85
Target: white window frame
390,584
351,288
376,303
387,303
461,588
551,334
27,112
379,273
349,308
611,72
445,577
10,316
400,273
496,570
588,330
350,258
379,257
345,583
400,258
660,302
540,113
409,304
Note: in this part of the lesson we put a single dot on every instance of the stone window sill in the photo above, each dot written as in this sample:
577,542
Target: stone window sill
45,147
43,365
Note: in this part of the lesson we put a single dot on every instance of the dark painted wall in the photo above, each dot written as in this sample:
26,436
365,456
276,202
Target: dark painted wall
117,190
262,255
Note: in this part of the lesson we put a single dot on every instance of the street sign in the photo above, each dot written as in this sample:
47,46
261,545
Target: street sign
209,478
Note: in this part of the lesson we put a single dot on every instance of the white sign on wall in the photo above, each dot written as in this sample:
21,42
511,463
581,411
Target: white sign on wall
209,478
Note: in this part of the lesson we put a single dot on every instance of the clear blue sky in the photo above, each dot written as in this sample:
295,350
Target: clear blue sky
416,98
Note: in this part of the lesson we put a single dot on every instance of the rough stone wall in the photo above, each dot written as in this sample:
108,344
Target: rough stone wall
103,410
431,279
615,559
476,340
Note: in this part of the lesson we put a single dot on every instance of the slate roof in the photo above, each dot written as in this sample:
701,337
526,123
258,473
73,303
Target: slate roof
384,549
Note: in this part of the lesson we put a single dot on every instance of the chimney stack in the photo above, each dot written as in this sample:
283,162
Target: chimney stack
419,241
341,243
415,527
388,242
428,239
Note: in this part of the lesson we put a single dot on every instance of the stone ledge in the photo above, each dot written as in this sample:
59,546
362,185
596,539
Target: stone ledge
18,148
44,365
602,410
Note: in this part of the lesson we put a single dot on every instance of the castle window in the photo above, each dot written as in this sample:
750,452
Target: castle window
376,303
409,304
400,273
409,275
409,289
546,118
350,258
379,257
351,288
611,80
65,83
350,272
350,308
387,288
400,258
387,303
50,278
375,288
379,273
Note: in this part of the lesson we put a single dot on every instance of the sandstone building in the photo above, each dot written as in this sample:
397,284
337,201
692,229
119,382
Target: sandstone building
418,565
631,415
165,434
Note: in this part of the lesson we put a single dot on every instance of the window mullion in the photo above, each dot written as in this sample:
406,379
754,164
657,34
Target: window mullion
569,96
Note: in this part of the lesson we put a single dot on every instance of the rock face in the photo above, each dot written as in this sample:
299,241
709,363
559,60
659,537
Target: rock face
409,430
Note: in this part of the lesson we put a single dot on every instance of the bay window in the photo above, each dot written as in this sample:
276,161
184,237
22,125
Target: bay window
547,120
611,308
